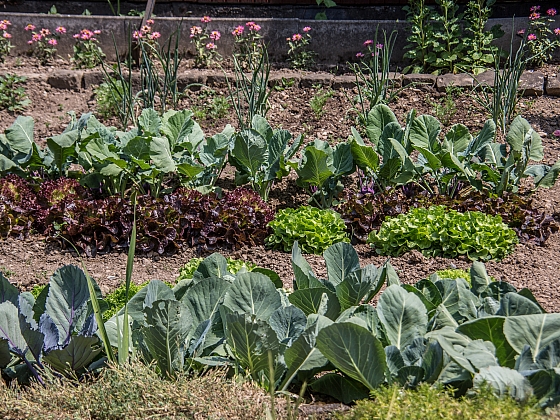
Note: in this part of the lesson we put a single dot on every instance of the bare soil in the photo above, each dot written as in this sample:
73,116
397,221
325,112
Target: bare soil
32,261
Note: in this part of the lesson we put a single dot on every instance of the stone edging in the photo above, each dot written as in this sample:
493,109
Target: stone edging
532,83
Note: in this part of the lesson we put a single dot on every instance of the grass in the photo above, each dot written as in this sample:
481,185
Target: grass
429,403
136,391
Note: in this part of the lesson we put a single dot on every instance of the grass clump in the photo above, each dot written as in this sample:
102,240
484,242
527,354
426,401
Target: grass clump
136,391
428,403
313,228
438,231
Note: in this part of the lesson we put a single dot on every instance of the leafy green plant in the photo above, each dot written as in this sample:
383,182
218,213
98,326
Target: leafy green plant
438,231
5,43
249,47
233,266
13,96
321,169
261,155
319,100
314,229
118,297
107,96
322,15
205,44
453,274
87,52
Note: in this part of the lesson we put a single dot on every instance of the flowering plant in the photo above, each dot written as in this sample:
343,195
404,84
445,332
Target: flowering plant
5,44
205,44
373,50
248,44
44,42
540,42
87,52
299,54
147,34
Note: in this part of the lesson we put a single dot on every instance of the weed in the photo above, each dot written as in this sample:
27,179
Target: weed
6,272
319,100
284,84
107,97
12,95
444,109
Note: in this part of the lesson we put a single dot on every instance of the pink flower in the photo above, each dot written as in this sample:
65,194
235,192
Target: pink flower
150,22
534,16
360,55
45,32
306,29
52,42
253,26
296,37
368,42
521,32
97,32
76,36
6,35
379,46
556,133
61,30
6,22
531,37
36,37
138,35
215,35
211,46
557,31
206,19
3,26
238,31
195,30
30,27
551,12
146,29
154,35
535,8
30,42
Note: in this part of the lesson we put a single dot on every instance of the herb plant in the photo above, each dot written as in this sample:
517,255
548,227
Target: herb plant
299,54
319,100
314,229
444,109
12,95
438,231
87,52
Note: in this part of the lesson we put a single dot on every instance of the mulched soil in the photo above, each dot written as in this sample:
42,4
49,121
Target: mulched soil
31,261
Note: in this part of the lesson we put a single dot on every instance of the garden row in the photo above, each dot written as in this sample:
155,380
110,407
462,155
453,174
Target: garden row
464,333
166,159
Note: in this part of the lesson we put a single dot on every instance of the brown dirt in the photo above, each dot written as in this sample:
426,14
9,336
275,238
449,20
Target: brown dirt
33,260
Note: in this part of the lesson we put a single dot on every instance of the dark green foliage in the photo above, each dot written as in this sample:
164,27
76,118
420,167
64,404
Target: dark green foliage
438,231
12,95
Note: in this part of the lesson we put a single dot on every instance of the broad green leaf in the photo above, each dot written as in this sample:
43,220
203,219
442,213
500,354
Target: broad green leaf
365,156
177,125
190,170
355,351
253,293
10,328
504,381
314,168
342,162
203,299
214,265
403,315
491,329
519,132
250,342
276,148
459,138
5,355
536,331
340,387
249,152
548,177
377,119
20,134
318,300
261,126
68,293
304,278
485,137
167,323
480,280
63,147
158,290
138,147
8,292
513,304
77,355
356,286
161,155
341,260
288,323
424,133
149,121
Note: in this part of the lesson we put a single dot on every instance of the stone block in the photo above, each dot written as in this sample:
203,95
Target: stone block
316,79
531,83
485,79
283,79
344,82
553,85
92,78
192,79
417,78
462,80
218,79
66,79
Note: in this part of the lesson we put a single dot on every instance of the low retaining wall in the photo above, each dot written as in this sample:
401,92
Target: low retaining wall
532,83
336,42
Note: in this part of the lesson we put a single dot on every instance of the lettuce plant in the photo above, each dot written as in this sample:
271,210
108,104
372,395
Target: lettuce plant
314,229
437,231
233,266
